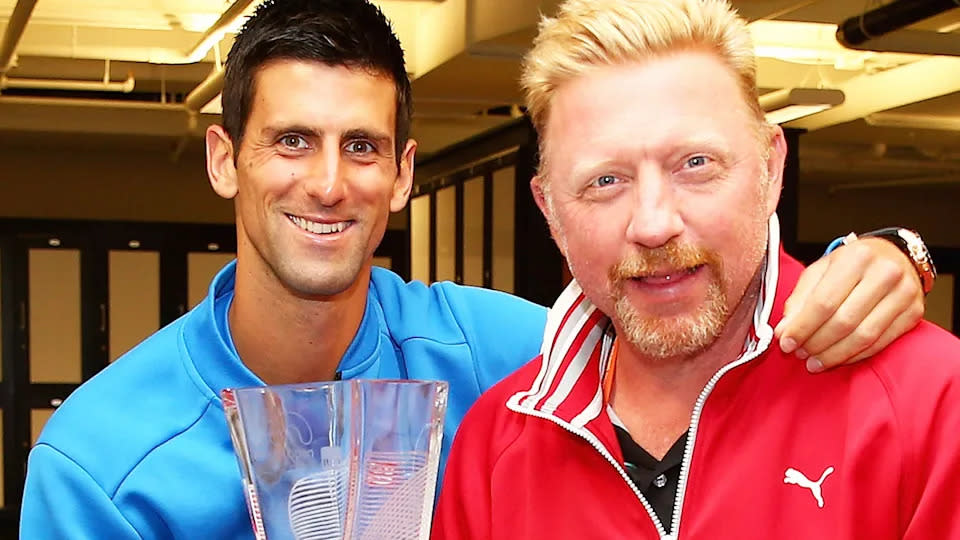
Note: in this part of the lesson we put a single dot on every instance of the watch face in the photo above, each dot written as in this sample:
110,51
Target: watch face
921,257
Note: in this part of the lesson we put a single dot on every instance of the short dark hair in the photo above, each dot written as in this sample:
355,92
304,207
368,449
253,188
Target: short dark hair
351,33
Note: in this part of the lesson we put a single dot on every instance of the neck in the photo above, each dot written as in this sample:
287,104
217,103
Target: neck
655,397
285,338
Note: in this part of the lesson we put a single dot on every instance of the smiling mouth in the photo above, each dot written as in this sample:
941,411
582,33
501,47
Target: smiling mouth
317,227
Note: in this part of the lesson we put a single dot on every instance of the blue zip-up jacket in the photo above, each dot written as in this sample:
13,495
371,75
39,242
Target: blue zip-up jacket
142,450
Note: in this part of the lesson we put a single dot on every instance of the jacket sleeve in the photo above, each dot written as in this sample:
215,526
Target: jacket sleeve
928,421
936,479
62,501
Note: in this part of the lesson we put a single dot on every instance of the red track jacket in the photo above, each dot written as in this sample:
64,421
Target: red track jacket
870,451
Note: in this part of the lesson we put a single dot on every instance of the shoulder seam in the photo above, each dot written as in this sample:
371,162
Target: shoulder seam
186,362
441,295
463,334
157,446
904,457
92,479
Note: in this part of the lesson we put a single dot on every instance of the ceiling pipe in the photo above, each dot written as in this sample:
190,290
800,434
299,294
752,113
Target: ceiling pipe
11,37
914,121
215,33
851,160
196,100
31,101
59,84
204,92
948,179
882,29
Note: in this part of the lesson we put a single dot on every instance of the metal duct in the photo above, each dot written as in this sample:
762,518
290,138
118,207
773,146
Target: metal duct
58,84
13,33
216,31
874,30
204,92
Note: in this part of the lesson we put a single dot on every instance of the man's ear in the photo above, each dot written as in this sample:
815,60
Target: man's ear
540,196
404,183
221,168
775,164
536,186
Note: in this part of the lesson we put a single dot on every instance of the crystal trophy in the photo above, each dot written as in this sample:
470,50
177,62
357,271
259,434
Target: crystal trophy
352,459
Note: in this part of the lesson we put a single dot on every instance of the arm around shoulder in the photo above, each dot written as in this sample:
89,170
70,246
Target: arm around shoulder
61,500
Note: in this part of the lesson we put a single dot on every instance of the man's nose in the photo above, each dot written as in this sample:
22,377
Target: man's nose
655,215
325,180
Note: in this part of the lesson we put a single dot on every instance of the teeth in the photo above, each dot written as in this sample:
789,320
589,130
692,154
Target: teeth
318,228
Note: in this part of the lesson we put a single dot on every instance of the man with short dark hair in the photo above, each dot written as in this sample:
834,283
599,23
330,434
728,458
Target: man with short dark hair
315,153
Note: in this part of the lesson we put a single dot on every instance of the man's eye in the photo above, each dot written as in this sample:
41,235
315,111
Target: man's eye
293,141
605,180
697,161
359,147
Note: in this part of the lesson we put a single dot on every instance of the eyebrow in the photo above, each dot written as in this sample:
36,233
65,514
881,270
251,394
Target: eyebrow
589,169
272,132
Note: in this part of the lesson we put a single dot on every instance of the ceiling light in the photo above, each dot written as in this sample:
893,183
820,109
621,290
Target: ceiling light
791,103
816,44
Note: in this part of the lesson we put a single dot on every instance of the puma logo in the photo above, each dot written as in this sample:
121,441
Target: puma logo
793,476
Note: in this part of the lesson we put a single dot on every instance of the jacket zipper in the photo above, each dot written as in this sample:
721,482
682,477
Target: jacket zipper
764,334
598,446
762,344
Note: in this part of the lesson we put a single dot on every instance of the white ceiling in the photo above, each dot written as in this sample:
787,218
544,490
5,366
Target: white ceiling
464,58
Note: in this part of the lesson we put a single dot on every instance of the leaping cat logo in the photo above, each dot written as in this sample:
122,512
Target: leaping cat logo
793,476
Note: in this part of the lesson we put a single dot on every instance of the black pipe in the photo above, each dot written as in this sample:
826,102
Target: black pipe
896,15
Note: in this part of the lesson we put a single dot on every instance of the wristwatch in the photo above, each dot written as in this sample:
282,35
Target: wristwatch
912,246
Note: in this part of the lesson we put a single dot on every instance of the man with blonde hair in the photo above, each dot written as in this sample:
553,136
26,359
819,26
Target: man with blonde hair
660,406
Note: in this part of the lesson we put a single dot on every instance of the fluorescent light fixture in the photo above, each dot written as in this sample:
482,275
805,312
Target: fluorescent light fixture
816,44
913,121
949,28
792,112
791,103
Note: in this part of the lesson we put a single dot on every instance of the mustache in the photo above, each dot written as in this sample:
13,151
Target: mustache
645,261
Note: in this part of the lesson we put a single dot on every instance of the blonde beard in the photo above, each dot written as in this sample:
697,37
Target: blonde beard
680,335
671,337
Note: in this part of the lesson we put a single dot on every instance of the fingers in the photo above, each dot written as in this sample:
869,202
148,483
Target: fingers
839,313
850,303
814,302
888,321
809,278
